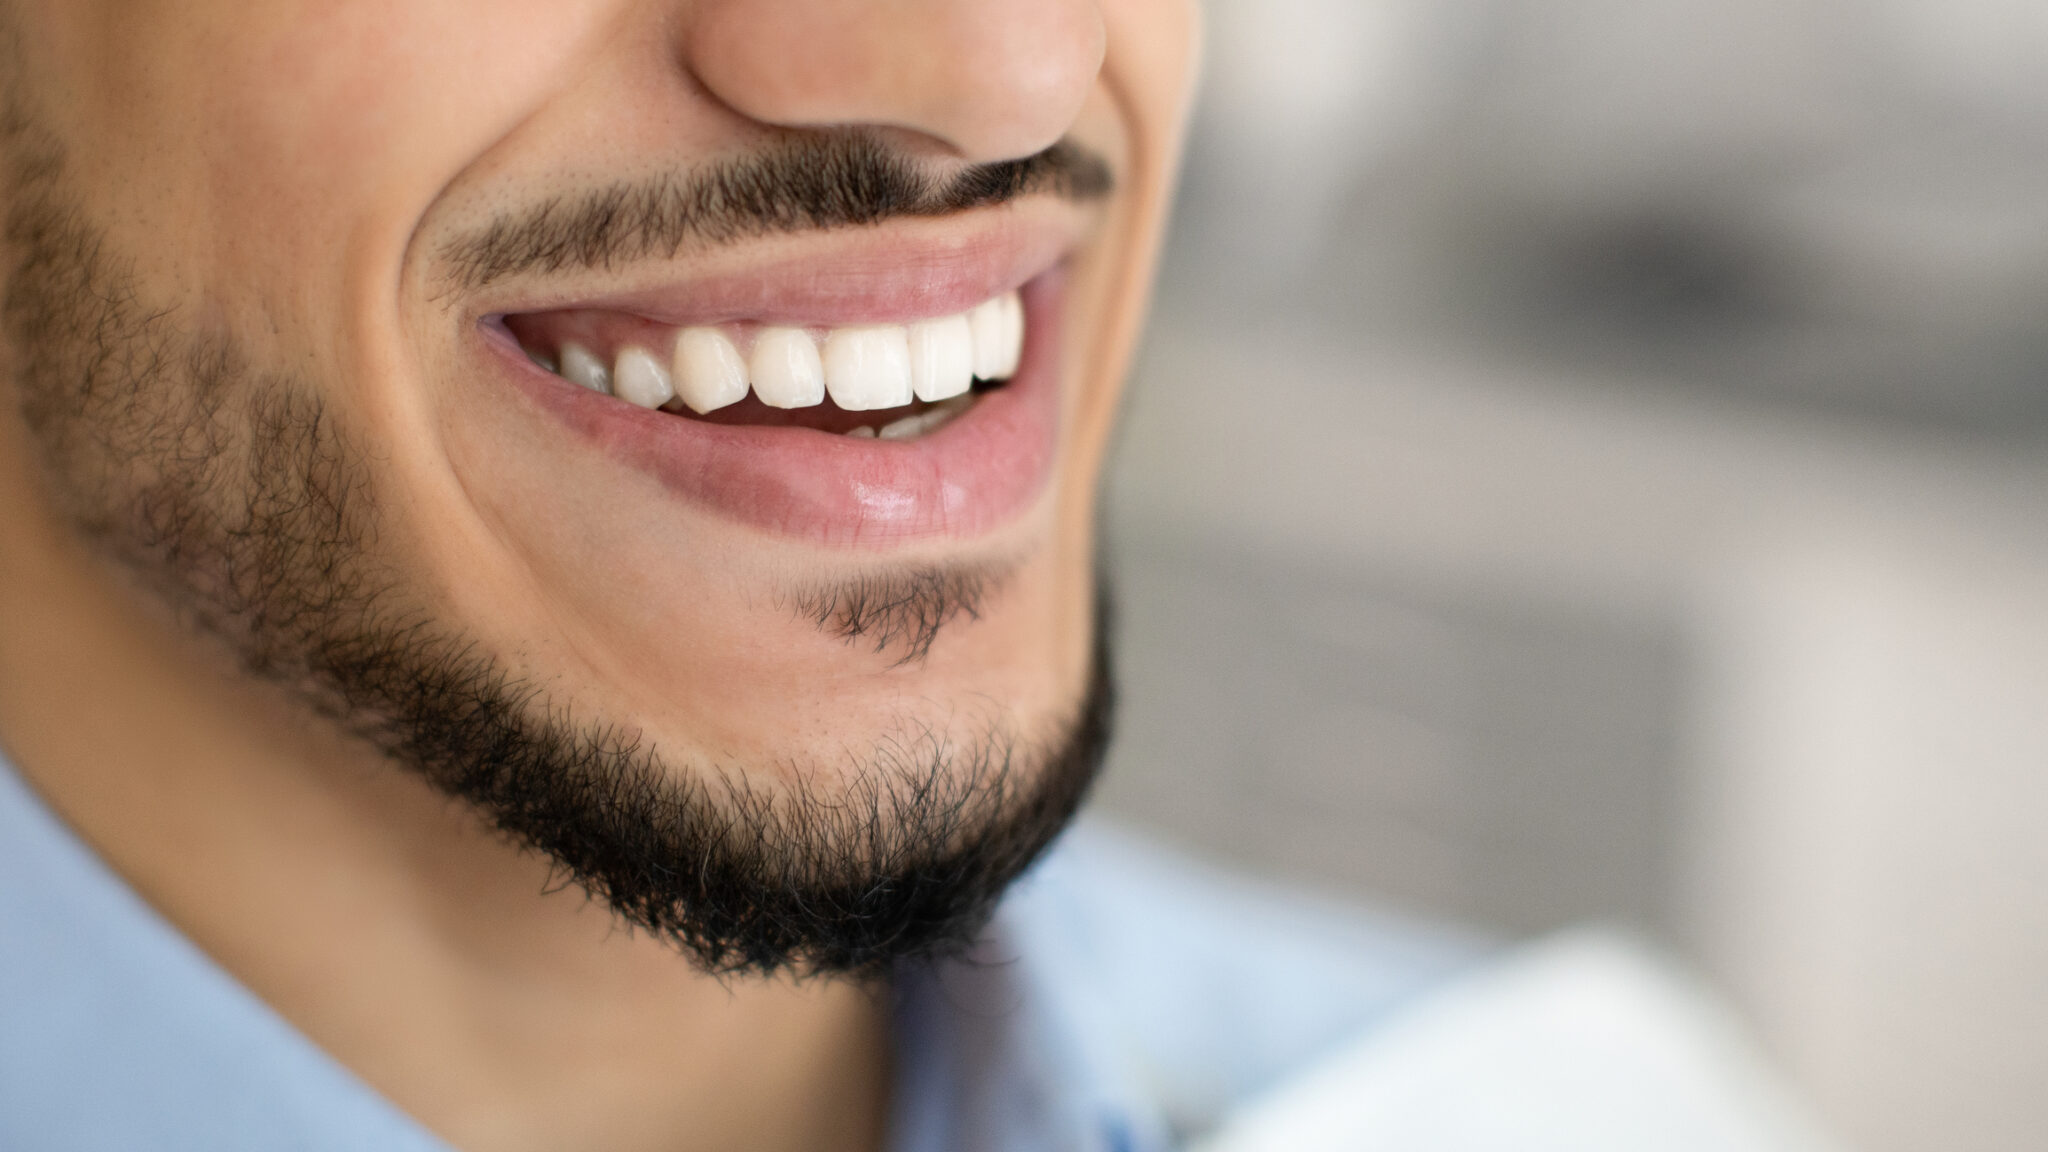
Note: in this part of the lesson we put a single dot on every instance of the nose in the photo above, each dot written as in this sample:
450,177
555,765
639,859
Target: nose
989,79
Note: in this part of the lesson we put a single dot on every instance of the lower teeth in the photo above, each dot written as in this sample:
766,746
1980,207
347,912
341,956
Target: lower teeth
918,424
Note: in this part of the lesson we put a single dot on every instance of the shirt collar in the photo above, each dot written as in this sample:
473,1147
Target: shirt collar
1004,1049
117,1032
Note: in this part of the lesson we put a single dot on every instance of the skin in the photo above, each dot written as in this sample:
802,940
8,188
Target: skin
284,171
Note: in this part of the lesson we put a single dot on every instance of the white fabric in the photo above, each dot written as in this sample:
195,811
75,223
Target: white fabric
1586,1043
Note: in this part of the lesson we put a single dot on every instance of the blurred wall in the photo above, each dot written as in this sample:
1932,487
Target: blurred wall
1591,461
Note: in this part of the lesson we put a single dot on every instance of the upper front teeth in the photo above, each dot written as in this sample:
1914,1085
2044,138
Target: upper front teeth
942,357
709,371
867,368
998,328
787,372
861,368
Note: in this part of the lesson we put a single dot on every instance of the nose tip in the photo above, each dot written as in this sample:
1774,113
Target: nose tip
988,79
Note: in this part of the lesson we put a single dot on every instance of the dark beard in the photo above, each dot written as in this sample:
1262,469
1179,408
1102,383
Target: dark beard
243,505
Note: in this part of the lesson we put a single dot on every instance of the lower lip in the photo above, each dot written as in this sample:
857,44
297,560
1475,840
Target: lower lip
969,477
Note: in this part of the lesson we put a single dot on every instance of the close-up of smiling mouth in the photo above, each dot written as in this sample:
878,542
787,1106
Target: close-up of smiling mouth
889,381
882,408
854,370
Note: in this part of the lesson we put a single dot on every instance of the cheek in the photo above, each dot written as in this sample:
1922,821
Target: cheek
282,152
1155,48
371,93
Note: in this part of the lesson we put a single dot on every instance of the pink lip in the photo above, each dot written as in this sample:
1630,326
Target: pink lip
971,476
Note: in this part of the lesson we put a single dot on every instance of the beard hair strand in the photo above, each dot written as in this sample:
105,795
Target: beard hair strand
242,504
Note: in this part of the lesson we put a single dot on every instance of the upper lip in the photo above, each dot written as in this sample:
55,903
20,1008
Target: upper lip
889,273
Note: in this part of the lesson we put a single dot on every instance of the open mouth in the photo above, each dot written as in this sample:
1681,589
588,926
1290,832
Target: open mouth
885,381
869,395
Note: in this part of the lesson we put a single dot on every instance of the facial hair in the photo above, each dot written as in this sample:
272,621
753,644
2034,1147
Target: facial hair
245,505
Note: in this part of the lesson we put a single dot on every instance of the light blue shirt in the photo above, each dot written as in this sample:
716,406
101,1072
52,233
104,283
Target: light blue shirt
1121,1001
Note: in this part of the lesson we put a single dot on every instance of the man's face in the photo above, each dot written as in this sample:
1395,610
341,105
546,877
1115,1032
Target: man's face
304,305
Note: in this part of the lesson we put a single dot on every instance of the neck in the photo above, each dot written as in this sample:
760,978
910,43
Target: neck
393,929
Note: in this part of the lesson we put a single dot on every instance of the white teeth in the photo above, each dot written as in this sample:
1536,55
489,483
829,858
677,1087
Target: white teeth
904,429
930,420
998,327
943,415
709,371
1013,337
639,378
583,368
868,368
861,432
786,369
862,368
941,358
987,324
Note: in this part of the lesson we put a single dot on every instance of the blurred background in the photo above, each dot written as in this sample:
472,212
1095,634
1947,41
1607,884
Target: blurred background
1590,462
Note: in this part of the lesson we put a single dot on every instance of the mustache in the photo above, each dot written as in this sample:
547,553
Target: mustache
802,183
